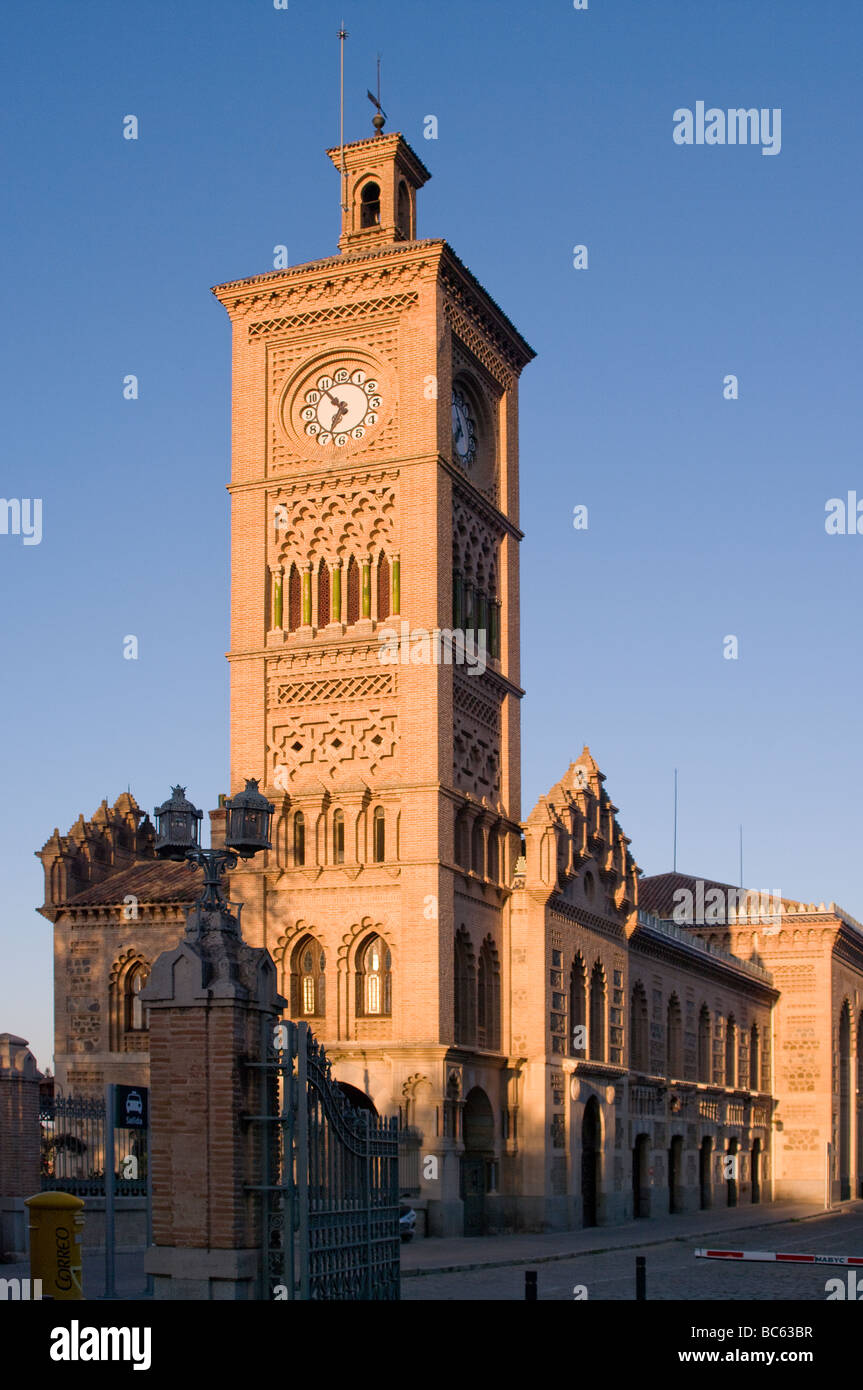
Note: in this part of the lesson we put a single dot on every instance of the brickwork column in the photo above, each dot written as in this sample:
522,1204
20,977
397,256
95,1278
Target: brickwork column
213,1002
19,1140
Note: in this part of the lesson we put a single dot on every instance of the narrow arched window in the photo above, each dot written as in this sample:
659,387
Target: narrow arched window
136,1018
478,850
704,1045
674,1039
639,1038
379,835
597,1013
338,837
462,841
578,1009
404,210
353,591
370,205
323,594
730,1051
299,839
488,997
464,990
295,601
383,586
308,978
493,856
374,979
754,1060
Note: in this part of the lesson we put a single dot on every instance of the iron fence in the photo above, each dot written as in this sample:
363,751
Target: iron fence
409,1161
73,1149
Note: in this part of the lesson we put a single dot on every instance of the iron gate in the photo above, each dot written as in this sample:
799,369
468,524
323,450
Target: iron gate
329,1188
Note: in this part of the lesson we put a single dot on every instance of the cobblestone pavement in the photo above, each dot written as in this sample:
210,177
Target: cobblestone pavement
673,1272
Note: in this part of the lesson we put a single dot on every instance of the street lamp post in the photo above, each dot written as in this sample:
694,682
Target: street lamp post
247,832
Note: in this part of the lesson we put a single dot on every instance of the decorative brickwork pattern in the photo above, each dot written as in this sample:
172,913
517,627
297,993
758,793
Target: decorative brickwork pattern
339,313
331,743
337,690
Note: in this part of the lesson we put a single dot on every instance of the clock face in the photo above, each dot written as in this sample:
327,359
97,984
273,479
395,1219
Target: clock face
341,405
463,430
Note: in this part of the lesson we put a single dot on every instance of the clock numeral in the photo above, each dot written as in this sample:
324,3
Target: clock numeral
371,418
358,433
358,377
313,397
325,382
374,402
313,429
341,439
309,413
325,437
370,388
342,375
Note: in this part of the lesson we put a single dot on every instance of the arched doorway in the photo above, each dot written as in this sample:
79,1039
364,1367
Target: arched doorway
591,1139
755,1170
357,1098
477,1159
845,1103
675,1170
705,1184
641,1176
731,1161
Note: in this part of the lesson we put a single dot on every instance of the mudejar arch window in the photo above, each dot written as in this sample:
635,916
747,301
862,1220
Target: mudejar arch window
374,979
308,980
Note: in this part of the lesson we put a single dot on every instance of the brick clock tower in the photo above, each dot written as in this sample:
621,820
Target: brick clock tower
375,668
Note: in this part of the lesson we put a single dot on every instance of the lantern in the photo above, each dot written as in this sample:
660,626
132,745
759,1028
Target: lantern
178,826
249,817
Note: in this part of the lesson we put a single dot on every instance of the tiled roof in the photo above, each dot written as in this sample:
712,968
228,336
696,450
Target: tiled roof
149,880
656,893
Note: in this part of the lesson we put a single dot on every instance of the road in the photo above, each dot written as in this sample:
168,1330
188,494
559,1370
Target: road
673,1272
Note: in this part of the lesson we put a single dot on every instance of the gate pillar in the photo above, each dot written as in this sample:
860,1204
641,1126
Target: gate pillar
213,1004
19,1141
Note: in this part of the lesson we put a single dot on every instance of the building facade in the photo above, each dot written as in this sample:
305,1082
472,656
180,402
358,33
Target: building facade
561,1050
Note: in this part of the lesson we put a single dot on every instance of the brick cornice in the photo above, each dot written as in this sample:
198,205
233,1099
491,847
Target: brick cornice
684,957
423,253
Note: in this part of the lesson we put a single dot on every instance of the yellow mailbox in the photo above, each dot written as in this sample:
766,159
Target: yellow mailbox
56,1220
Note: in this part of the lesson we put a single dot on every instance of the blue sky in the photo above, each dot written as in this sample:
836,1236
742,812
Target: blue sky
706,516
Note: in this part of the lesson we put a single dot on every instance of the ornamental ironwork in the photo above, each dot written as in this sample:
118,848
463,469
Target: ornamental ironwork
329,1189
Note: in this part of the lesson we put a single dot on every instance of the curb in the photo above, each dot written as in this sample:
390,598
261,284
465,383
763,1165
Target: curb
523,1260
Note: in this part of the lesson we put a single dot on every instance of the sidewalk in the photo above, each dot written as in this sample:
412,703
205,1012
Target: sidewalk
129,1269
457,1254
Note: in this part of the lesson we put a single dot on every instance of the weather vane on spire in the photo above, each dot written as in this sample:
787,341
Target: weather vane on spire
380,116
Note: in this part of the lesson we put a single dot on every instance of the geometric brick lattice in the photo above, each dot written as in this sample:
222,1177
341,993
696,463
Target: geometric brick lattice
328,691
339,313
484,711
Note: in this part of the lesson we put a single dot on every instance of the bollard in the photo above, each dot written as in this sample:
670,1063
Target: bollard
55,1243
641,1278
530,1285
